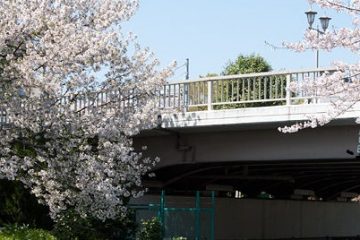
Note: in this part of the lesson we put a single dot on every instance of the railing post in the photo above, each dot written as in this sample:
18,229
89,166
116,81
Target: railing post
209,93
197,216
212,230
288,92
186,97
161,213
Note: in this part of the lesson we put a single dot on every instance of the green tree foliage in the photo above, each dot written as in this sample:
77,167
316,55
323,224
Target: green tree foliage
252,89
70,226
241,92
18,206
150,230
15,232
247,64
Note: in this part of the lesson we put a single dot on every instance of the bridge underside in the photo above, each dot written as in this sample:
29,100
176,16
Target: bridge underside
257,159
326,178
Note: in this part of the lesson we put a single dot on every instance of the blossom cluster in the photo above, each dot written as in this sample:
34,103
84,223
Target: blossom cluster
74,91
341,87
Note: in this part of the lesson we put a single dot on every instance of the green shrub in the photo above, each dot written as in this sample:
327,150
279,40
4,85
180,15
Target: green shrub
14,232
73,227
19,206
150,230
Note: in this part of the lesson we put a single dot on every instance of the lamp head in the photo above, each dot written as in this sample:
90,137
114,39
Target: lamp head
310,17
324,22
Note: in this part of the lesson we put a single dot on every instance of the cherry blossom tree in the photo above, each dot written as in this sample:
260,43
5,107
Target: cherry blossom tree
74,90
341,86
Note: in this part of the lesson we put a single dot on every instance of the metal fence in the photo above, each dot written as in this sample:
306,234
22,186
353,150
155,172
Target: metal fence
195,220
80,103
235,91
204,94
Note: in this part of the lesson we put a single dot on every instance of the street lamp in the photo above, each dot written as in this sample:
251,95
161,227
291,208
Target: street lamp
310,17
324,21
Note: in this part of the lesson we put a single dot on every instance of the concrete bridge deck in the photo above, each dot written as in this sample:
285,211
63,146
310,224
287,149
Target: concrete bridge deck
269,185
225,133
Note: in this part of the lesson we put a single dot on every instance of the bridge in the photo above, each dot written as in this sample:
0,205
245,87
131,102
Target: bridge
221,134
224,136
225,129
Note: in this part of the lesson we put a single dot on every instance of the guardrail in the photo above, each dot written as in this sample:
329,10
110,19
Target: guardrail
205,94
236,91
95,102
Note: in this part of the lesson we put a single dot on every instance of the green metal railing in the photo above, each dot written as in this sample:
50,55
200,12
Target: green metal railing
193,217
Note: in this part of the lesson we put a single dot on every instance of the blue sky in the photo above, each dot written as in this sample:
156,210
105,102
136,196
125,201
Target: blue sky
212,32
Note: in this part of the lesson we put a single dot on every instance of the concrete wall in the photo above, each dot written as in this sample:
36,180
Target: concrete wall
259,219
253,145
267,219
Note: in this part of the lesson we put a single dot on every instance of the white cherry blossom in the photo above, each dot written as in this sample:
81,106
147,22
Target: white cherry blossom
75,90
342,87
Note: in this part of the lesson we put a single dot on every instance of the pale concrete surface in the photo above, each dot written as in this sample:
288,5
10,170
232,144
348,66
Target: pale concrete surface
273,114
252,145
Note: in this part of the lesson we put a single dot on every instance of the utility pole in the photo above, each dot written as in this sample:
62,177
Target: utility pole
317,49
187,69
186,86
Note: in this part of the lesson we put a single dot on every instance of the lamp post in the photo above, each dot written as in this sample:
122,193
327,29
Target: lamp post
324,21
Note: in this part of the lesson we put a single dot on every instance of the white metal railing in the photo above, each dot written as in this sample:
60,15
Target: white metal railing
221,92
237,91
81,103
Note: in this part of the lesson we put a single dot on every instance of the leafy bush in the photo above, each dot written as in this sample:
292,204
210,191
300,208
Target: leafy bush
150,230
73,227
15,232
19,206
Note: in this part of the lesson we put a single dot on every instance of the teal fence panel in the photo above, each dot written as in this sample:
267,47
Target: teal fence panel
196,222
